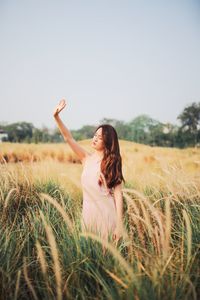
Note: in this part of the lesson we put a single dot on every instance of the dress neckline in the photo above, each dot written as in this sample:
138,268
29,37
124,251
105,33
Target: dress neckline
96,159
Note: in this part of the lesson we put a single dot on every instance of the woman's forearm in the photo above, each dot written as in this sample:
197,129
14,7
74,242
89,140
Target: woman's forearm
119,210
118,197
63,129
81,152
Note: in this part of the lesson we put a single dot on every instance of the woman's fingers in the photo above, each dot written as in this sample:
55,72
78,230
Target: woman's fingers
115,238
62,102
117,234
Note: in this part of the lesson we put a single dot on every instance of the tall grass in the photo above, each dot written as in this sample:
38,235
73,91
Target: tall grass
44,254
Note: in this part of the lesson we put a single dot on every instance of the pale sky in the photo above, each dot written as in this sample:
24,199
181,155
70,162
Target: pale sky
113,59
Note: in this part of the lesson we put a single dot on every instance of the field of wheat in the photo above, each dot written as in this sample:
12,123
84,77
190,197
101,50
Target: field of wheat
43,253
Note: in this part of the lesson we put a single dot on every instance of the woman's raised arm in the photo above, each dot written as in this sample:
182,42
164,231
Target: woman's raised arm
81,152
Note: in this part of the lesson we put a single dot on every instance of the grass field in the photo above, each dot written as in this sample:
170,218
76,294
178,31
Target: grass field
43,253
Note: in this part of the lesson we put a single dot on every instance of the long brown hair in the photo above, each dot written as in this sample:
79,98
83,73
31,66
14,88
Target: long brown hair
111,164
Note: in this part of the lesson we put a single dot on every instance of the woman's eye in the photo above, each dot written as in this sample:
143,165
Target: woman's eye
98,136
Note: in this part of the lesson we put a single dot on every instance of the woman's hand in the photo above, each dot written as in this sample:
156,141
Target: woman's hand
117,234
59,107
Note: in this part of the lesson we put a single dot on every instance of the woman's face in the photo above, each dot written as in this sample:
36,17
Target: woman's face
97,141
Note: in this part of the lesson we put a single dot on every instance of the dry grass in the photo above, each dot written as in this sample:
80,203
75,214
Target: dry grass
143,165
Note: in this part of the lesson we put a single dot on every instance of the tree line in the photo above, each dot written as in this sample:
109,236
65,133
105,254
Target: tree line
142,129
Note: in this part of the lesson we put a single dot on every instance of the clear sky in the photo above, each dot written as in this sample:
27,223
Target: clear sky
114,59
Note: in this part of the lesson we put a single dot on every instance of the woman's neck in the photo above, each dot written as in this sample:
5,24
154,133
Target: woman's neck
98,154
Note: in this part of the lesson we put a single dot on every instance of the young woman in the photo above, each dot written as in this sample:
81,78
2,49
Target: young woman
101,179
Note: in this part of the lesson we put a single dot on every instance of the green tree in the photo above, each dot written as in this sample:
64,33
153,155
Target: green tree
140,129
190,124
121,127
19,132
37,136
86,132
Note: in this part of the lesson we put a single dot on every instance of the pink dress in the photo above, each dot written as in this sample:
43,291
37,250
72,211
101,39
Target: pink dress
99,211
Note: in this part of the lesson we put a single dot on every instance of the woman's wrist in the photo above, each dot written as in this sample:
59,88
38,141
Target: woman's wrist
56,116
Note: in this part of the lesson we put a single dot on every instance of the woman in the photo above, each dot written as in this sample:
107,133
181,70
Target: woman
101,179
